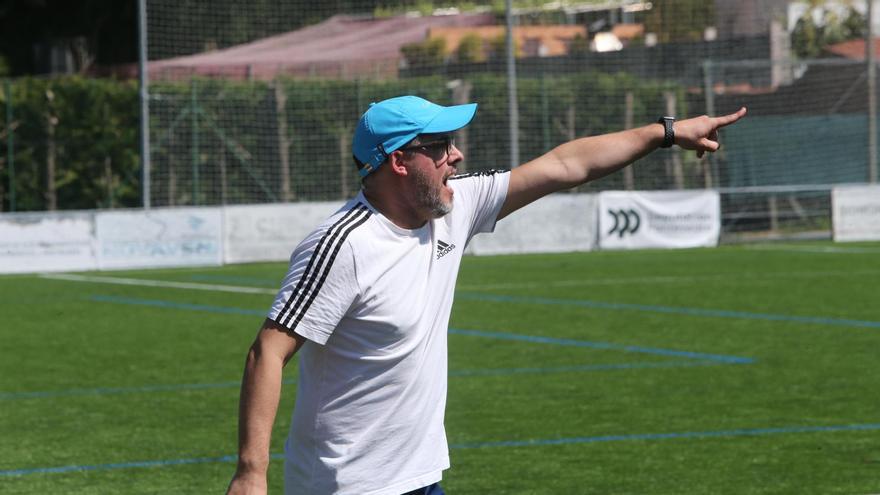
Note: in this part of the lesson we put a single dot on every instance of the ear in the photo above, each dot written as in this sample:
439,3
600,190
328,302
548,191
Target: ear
396,164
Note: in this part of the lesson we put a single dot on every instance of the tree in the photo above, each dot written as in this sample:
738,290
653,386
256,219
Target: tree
470,49
106,26
498,47
810,38
680,20
428,53
579,46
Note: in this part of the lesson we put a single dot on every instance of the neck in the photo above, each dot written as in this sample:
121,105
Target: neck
395,208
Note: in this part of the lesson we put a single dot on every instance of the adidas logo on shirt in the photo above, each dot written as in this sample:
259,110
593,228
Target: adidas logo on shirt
443,249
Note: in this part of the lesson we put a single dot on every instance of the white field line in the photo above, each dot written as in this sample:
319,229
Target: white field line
815,249
674,279
158,283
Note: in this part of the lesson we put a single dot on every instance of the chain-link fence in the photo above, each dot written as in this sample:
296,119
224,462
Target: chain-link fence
258,104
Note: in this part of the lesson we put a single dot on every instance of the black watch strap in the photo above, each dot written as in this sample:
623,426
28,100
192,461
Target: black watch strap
668,131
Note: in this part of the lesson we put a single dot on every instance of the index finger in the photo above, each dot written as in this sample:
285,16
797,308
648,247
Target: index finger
726,120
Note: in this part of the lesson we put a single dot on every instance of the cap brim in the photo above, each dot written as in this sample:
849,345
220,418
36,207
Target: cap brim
451,119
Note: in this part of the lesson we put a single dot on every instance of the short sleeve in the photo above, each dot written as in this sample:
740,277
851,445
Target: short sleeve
482,195
318,290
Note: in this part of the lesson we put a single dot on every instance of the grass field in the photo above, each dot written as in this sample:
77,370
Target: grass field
741,370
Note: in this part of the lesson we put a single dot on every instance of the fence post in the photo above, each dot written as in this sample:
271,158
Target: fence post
461,94
10,145
709,93
344,159
629,181
545,114
774,213
195,141
512,103
677,169
51,193
872,96
144,97
283,139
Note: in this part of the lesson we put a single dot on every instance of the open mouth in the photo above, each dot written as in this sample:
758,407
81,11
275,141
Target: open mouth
445,183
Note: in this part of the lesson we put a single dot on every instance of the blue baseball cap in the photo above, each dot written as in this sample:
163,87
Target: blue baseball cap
389,124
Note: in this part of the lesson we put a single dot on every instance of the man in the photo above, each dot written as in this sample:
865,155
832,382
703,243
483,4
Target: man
368,297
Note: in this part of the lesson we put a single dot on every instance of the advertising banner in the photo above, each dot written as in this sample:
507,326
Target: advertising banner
44,242
659,219
553,224
270,232
856,213
160,237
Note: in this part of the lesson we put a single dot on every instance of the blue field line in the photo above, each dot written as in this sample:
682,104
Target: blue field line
650,308
602,345
6,396
746,432
580,368
256,281
177,305
123,390
120,465
695,358
473,333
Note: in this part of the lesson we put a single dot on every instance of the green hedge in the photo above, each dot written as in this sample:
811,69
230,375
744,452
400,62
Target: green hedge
95,127
216,141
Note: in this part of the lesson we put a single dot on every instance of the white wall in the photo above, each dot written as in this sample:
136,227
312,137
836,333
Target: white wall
47,242
235,234
270,232
557,223
856,213
159,237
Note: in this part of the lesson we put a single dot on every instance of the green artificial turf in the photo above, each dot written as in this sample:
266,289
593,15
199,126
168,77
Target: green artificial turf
742,369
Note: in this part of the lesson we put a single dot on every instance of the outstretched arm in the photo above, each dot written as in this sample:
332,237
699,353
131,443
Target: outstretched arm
260,393
590,158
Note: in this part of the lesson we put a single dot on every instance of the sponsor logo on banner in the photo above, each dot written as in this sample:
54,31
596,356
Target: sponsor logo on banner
658,219
625,222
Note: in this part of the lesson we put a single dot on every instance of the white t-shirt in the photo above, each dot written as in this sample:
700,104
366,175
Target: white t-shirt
373,300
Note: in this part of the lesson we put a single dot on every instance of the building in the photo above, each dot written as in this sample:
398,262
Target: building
343,47
533,41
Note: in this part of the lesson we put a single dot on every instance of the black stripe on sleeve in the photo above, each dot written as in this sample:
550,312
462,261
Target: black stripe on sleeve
478,174
327,243
300,312
318,256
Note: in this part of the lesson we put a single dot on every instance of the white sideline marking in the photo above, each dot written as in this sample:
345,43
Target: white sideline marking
668,279
510,285
815,249
158,283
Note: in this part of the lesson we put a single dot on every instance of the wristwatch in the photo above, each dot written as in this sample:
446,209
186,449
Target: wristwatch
668,131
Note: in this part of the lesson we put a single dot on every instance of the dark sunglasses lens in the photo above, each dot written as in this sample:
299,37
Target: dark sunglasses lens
438,150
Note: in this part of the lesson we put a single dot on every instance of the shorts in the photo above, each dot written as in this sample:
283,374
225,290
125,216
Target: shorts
427,490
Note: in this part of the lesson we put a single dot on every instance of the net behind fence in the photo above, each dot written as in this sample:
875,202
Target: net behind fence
258,104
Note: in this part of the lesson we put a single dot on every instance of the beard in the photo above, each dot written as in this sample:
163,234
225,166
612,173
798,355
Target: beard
428,195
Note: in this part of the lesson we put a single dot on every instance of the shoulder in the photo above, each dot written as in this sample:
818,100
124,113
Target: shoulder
335,231
478,175
480,182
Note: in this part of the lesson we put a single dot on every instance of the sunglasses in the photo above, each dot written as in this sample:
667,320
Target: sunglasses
435,150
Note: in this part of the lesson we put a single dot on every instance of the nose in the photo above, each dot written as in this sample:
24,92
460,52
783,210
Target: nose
455,155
